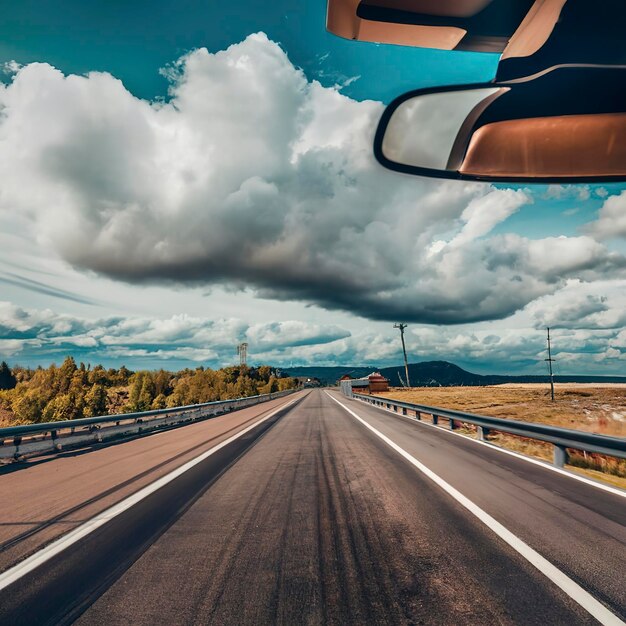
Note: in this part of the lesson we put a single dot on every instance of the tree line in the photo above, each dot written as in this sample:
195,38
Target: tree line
72,391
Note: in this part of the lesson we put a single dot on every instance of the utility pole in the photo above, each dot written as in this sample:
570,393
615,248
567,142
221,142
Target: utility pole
401,328
550,360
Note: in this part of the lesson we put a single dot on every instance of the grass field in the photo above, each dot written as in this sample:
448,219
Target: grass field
590,407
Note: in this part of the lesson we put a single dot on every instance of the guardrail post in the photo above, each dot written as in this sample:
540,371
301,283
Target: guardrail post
435,419
452,424
95,431
560,456
404,411
54,435
483,433
16,442
418,416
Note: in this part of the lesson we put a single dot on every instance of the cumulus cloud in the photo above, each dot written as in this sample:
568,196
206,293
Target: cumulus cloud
611,220
582,306
43,336
482,214
508,350
559,192
10,67
252,176
293,333
180,337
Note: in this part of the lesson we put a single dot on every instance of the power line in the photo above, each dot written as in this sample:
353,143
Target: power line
401,328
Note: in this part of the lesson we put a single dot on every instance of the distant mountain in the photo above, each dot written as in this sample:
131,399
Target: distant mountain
437,374
433,374
330,375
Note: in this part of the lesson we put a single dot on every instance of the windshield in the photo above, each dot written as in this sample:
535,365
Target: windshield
250,376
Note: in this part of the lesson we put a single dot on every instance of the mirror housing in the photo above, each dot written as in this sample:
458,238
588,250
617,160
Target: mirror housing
478,25
563,127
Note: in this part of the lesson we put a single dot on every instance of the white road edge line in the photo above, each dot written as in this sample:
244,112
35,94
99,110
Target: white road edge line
589,481
45,554
561,580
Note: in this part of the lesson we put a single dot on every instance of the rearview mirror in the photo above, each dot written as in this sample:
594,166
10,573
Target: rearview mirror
566,126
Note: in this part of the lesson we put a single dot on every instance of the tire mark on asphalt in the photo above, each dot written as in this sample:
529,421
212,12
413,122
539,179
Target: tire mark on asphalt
14,541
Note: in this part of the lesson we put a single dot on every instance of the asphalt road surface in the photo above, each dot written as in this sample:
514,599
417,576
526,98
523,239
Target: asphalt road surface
44,498
312,518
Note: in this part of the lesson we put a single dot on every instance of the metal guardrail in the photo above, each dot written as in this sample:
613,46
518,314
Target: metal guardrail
560,438
17,442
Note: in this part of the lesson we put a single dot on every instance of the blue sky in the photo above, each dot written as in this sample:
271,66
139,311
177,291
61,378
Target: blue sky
133,40
230,194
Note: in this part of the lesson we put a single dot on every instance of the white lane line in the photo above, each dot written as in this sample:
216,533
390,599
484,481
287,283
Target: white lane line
544,464
45,554
561,580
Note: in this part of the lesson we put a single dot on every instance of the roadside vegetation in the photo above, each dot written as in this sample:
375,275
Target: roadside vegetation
72,391
597,408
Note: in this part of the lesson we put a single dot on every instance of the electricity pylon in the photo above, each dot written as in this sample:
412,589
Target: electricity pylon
242,351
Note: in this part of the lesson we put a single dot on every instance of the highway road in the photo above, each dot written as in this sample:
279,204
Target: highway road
330,511
47,497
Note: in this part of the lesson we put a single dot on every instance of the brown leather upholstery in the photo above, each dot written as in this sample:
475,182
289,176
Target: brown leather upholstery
567,146
343,21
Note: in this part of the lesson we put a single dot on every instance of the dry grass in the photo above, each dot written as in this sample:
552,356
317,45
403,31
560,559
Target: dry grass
5,418
592,408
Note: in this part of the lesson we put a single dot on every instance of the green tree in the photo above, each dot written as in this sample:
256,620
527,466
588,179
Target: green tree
123,376
270,387
142,392
99,376
245,387
147,393
96,401
264,372
27,407
69,392
135,391
66,374
162,383
160,402
62,407
7,379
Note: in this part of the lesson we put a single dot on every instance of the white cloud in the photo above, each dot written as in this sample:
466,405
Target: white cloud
595,345
10,347
182,337
582,306
252,176
619,341
559,192
293,333
611,220
558,258
10,67
484,213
